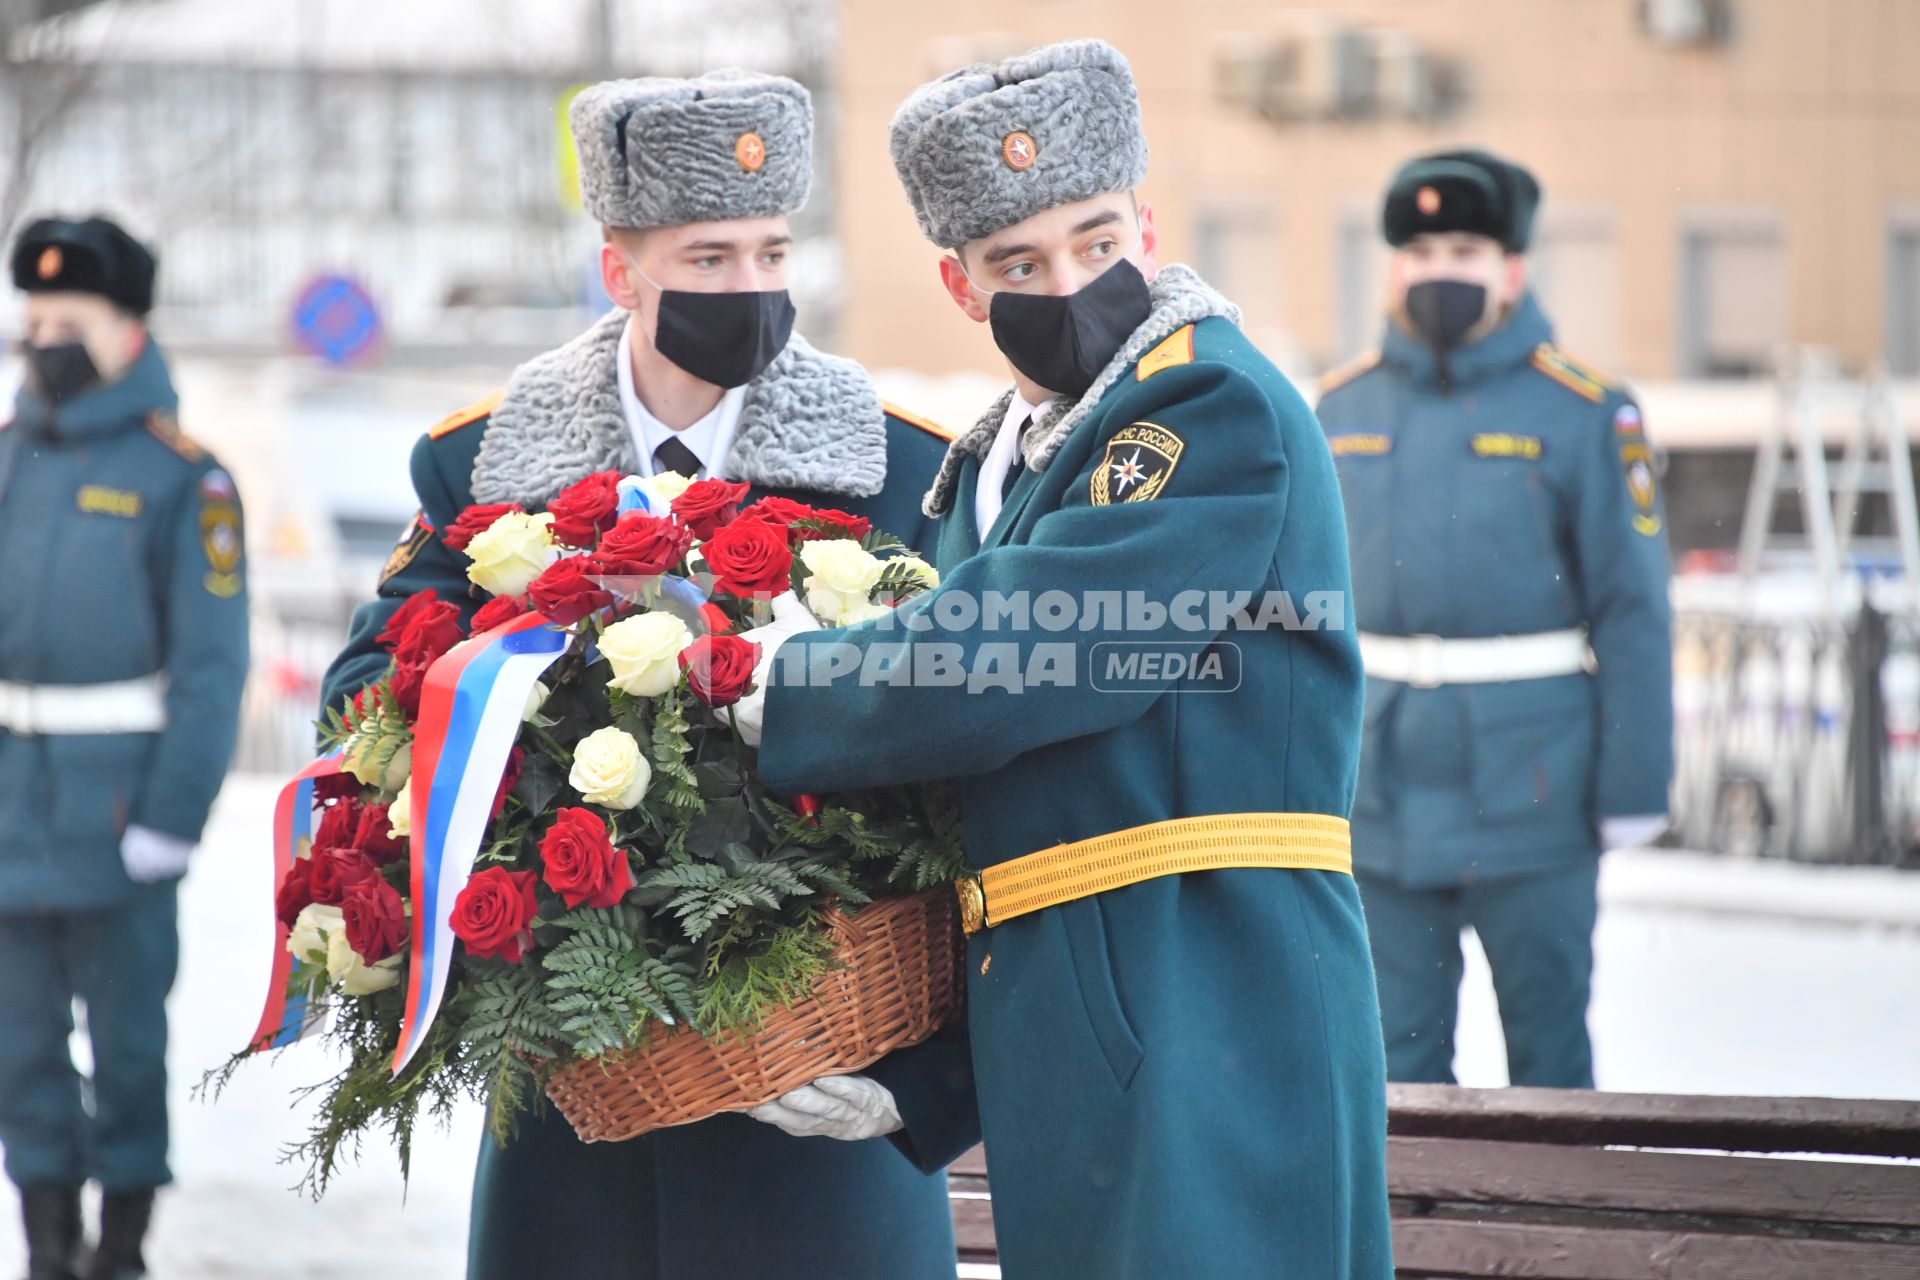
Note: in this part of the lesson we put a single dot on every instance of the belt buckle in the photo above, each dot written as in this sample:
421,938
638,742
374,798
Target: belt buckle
1423,661
973,904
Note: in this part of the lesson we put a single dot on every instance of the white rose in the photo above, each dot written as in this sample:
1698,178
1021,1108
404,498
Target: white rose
662,489
355,976
644,652
511,552
400,813
927,574
609,770
362,760
536,699
310,930
844,572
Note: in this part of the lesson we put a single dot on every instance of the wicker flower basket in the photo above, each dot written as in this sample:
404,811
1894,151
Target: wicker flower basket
901,979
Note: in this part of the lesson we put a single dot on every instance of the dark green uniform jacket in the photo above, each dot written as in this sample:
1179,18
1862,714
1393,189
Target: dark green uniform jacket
120,557
1183,1077
726,1197
1517,497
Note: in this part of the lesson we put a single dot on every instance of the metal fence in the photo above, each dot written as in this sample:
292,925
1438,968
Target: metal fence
1799,738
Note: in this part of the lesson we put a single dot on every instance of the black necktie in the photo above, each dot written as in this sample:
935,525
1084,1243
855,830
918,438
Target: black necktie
1015,467
675,456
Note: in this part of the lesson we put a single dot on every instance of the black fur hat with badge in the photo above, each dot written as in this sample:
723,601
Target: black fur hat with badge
84,255
1472,191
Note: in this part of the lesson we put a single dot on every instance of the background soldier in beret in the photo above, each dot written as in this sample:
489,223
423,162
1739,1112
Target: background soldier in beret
1179,1075
122,656
694,371
1510,573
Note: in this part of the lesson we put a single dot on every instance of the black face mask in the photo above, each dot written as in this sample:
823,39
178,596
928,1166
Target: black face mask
1445,311
727,339
61,370
1063,343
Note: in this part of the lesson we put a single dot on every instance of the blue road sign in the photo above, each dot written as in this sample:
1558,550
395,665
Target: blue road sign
335,318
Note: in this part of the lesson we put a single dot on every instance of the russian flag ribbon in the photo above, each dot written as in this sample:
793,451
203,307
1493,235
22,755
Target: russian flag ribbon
471,708
284,1020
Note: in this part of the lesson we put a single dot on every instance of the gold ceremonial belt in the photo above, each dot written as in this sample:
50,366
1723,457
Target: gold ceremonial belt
1068,872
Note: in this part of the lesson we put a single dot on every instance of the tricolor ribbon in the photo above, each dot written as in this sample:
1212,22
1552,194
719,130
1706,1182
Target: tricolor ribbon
471,708
284,1020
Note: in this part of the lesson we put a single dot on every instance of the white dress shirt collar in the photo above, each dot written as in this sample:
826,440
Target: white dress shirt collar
1000,458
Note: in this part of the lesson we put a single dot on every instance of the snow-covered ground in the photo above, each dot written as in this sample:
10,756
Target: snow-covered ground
1714,977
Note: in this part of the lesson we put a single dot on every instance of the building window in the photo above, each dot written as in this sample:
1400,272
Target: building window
1574,270
1733,296
1903,297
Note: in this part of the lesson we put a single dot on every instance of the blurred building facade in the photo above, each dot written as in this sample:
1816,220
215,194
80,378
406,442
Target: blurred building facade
418,149
1722,176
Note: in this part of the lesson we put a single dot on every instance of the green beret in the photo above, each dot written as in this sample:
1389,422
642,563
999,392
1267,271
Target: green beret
1471,191
86,255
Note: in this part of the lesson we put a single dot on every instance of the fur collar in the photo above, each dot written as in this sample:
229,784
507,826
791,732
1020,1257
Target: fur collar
1180,298
811,422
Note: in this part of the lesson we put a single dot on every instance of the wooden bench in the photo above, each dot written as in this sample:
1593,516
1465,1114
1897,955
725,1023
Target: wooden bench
1552,1184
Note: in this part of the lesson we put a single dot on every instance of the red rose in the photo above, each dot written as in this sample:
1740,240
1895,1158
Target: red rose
708,504
337,870
409,680
643,546
581,864
496,611
515,758
719,668
750,558
420,638
836,524
376,919
370,837
337,823
585,509
474,521
784,512
335,786
295,892
567,590
425,622
493,915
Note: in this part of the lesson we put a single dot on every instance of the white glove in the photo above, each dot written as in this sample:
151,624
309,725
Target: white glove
150,855
1630,832
851,1108
790,618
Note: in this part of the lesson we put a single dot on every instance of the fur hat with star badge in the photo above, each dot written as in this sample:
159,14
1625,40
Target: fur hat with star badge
987,146
663,152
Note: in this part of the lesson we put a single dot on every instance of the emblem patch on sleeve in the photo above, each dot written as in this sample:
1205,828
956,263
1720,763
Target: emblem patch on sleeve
220,539
1137,464
1638,461
412,539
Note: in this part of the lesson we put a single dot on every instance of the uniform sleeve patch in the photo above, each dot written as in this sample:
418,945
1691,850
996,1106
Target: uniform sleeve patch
1137,464
221,540
1637,460
1502,444
99,499
1360,444
1627,421
1176,349
218,486
413,539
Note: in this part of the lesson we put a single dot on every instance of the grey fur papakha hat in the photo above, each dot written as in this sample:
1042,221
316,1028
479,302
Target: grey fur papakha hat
662,152
986,146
